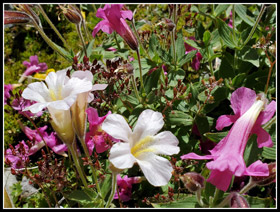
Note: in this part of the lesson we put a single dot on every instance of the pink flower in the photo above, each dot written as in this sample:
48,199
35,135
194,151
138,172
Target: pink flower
32,67
7,95
16,156
125,187
20,104
251,111
230,20
51,140
96,137
196,60
114,20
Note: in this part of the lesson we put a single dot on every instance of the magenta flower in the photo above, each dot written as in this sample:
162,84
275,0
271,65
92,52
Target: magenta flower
32,67
20,104
96,137
16,156
51,140
125,187
251,111
198,57
114,20
7,89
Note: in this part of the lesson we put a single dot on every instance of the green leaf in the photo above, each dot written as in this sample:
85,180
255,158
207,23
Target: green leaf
187,57
206,37
85,197
179,118
256,202
249,54
90,48
194,91
202,124
238,80
67,55
226,34
241,11
220,8
184,201
270,152
192,43
216,137
153,44
146,65
105,186
180,47
151,81
252,152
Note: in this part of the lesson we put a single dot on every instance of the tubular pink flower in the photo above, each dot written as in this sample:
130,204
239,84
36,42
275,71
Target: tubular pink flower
96,137
114,20
251,111
32,67
125,187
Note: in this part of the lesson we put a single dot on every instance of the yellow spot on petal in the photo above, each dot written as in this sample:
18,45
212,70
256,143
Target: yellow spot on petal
142,146
50,70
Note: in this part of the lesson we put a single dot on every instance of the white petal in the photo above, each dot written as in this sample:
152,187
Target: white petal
76,86
148,123
36,91
165,143
120,156
37,107
83,75
99,87
116,126
156,169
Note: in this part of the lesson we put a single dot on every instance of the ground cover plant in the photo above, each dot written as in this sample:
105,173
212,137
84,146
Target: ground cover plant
140,105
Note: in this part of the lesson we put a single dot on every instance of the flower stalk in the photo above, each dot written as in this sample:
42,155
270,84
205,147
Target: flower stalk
113,189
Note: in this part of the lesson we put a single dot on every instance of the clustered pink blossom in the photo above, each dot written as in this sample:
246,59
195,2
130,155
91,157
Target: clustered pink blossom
96,137
125,187
198,57
16,156
251,111
20,104
7,95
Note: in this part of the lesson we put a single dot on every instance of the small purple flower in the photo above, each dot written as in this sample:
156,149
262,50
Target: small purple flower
96,137
198,57
32,67
125,187
16,156
251,112
7,89
20,104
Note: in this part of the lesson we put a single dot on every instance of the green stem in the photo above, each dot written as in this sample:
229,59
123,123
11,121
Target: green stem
224,202
117,42
140,70
52,26
198,198
139,41
233,20
49,42
255,26
78,27
91,166
216,196
268,124
77,163
246,188
173,36
113,190
135,88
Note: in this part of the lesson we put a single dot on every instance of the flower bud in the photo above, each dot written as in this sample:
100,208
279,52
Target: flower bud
169,24
72,15
266,180
238,201
16,17
192,181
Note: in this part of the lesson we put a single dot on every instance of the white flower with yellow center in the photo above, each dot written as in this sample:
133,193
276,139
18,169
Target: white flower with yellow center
58,95
142,146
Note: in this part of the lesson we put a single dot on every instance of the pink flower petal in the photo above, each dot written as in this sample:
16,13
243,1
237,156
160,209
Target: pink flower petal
195,156
257,168
267,113
225,121
263,139
220,179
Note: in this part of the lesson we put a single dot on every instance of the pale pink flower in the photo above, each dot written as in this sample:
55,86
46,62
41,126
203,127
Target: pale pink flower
114,20
125,187
251,111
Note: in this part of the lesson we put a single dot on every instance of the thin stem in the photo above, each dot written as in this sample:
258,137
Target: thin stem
211,68
139,41
198,198
113,190
216,196
233,20
140,70
246,188
117,42
224,202
92,168
269,73
173,36
52,26
135,88
77,163
255,26
78,27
